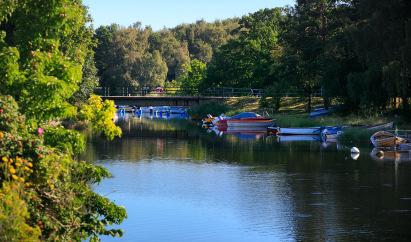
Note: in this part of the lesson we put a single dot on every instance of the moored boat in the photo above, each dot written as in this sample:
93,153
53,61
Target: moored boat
383,139
331,133
298,138
273,130
249,119
319,112
300,131
383,126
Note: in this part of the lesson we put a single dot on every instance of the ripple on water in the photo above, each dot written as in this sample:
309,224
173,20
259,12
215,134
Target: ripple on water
317,193
317,204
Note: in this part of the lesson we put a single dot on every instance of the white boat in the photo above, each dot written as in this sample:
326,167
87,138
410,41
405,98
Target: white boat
331,134
298,138
247,129
300,131
178,110
146,109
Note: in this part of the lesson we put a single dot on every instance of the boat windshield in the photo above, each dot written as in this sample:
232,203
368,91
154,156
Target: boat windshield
245,115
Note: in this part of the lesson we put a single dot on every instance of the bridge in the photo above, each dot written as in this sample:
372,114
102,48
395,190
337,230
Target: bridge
141,101
173,96
182,96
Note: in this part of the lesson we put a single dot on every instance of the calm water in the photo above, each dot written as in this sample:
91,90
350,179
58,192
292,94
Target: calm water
179,183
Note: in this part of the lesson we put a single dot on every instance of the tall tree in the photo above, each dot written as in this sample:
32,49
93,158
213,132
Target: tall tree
247,61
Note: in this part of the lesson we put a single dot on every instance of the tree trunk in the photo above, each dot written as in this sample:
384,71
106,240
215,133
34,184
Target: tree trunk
309,103
327,102
277,104
405,103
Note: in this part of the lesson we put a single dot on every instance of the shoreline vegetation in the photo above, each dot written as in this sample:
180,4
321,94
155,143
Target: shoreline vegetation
47,76
293,114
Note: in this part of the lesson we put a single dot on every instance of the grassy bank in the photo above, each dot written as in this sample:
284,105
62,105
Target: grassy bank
292,115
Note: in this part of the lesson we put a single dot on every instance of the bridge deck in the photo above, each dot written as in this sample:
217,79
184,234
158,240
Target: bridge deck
161,100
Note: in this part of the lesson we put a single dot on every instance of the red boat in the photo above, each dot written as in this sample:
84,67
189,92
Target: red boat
247,119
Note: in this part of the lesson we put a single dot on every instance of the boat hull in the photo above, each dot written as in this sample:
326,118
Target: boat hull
298,138
383,139
249,123
381,126
300,131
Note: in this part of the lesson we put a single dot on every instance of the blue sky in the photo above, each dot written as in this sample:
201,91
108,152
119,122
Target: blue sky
169,13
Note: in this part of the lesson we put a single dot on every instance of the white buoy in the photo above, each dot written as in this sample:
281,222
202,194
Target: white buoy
355,156
355,150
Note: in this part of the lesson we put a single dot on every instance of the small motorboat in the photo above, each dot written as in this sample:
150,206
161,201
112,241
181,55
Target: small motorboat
177,110
220,121
145,110
319,112
298,138
300,131
249,119
331,133
384,139
208,121
273,130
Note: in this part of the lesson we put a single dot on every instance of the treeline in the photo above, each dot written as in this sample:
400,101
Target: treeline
137,56
358,52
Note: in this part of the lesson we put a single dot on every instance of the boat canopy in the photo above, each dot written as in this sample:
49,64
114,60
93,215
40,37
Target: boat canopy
245,115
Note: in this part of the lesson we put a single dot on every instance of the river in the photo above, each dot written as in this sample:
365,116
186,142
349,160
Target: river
180,183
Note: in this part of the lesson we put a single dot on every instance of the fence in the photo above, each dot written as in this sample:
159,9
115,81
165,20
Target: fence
213,92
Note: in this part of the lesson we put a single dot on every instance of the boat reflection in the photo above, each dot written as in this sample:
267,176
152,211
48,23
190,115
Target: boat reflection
161,115
298,138
391,155
242,133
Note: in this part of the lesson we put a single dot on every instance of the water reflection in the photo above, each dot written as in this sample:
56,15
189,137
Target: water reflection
180,183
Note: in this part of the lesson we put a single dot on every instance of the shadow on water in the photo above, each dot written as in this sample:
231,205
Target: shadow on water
182,183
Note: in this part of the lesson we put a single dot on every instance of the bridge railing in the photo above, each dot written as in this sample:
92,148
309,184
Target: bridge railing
213,92
173,91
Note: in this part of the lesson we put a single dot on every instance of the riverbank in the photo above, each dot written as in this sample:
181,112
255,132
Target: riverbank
292,114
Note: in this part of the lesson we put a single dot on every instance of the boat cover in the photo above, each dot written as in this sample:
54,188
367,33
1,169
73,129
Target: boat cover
245,115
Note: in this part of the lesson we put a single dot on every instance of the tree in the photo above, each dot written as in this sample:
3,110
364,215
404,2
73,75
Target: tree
44,48
193,74
152,70
173,52
247,61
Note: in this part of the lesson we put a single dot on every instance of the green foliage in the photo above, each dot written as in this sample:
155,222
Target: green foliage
192,76
101,114
67,141
89,81
213,108
248,60
51,190
137,57
44,52
124,60
45,193
13,215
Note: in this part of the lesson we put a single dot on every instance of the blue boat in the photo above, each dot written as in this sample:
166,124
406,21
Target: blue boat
331,133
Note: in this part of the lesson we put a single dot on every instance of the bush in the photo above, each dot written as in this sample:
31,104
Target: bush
214,108
45,192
